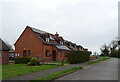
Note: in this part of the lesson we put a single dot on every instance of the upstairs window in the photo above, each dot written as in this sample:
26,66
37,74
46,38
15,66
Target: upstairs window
80,48
70,45
47,40
61,42
47,53
75,46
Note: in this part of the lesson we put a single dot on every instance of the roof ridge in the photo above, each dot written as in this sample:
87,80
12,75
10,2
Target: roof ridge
38,30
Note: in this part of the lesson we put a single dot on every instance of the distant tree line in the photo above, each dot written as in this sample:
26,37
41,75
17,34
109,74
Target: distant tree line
111,50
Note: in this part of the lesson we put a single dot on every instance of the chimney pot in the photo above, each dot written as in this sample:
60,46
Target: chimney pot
57,34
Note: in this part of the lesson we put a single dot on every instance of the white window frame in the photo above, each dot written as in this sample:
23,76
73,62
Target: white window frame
47,40
61,42
18,54
47,53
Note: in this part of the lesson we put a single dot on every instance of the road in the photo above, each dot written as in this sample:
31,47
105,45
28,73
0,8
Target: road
105,70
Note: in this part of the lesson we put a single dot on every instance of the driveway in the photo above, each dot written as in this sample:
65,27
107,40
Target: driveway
105,70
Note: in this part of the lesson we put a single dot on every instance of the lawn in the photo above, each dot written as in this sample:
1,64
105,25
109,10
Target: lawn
57,74
103,59
11,70
0,72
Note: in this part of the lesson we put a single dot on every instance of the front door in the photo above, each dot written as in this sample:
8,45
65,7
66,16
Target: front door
54,56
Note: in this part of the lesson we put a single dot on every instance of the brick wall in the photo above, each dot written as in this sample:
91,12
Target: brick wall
5,57
28,41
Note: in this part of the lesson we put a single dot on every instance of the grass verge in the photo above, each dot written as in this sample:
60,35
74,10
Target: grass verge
12,70
103,59
57,75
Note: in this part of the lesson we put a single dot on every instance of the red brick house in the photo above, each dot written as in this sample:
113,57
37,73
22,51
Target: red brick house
4,54
46,46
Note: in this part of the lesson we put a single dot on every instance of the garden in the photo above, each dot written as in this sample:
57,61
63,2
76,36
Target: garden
26,65
21,68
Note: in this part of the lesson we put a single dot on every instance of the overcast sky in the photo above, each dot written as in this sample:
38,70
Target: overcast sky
90,23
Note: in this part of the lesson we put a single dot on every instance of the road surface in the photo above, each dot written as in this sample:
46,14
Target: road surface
105,70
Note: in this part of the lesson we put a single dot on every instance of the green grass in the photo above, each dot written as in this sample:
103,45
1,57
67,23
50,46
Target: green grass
103,59
11,70
0,72
58,74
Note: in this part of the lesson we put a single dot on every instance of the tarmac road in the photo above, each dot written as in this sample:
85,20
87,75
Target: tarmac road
105,70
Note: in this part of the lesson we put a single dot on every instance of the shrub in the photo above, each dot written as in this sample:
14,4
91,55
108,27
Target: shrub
34,61
76,56
62,63
115,53
22,60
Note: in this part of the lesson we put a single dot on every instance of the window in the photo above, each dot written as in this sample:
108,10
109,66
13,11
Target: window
61,42
75,46
47,39
18,54
29,53
24,53
70,45
15,54
47,53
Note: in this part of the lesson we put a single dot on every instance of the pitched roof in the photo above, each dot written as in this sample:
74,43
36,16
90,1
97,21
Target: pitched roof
42,35
54,40
3,46
38,31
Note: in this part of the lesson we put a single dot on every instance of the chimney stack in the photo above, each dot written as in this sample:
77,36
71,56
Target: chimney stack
57,34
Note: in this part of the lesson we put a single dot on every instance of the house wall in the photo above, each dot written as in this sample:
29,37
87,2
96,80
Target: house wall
28,41
50,48
5,57
61,55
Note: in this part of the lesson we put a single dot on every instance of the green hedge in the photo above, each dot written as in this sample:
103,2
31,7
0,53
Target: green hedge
76,56
115,53
22,60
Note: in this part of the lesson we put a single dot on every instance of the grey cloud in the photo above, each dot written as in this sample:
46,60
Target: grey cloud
90,24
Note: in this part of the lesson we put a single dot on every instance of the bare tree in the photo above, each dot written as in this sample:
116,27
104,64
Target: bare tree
104,50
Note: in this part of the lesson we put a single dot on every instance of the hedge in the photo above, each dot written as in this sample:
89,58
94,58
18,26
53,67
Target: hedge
22,60
77,56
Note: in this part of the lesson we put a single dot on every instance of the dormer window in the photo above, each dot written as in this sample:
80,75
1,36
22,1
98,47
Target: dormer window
75,46
47,40
70,45
61,42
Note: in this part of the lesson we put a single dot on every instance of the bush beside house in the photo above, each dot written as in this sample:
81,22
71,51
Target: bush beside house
34,61
76,56
22,60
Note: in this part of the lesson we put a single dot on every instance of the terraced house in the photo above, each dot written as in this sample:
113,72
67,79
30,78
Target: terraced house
46,46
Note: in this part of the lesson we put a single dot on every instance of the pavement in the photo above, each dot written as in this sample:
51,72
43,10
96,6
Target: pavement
43,73
105,70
